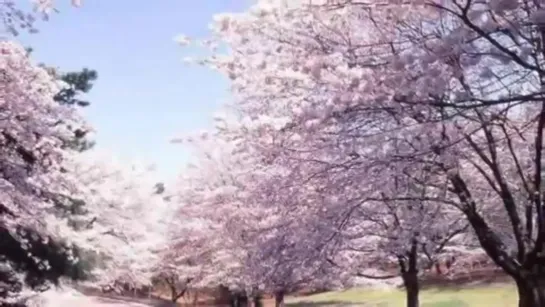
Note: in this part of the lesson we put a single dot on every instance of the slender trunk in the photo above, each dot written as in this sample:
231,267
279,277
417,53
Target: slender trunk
243,300
239,299
409,274
412,289
531,291
196,298
279,299
438,270
173,294
258,302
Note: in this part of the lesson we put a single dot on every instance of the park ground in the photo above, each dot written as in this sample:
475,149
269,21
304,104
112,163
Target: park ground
493,295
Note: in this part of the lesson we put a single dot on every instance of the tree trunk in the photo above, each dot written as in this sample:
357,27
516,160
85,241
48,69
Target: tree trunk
438,270
531,291
409,274
412,289
258,302
243,300
239,299
279,299
173,293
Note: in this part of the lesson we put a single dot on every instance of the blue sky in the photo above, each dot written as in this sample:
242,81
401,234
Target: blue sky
145,94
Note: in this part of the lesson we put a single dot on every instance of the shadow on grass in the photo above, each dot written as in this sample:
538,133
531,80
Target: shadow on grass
324,304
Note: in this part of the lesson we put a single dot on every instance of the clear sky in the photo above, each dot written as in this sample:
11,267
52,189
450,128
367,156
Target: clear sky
145,94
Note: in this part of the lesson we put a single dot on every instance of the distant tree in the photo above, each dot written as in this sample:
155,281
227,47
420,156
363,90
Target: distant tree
79,82
129,217
76,84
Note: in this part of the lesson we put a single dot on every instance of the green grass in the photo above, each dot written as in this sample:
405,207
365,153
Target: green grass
478,296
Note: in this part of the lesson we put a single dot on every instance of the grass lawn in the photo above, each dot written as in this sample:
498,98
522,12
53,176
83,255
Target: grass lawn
499,295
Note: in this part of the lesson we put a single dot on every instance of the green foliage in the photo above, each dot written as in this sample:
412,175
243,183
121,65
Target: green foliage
22,258
78,83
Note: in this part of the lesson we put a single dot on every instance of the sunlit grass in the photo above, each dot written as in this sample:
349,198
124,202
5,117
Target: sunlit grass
478,296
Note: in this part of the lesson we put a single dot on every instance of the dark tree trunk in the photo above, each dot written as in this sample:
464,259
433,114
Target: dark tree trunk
243,300
409,273
258,301
175,294
412,289
438,270
279,299
239,299
531,291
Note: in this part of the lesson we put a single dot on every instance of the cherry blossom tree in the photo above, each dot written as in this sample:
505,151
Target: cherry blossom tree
409,229
48,215
128,218
232,189
188,259
35,128
35,187
458,82
291,257
14,18
213,192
